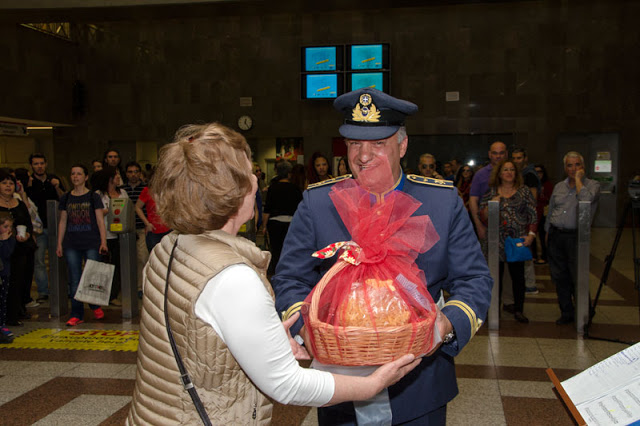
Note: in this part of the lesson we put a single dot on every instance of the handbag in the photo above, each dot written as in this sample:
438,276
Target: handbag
95,283
516,251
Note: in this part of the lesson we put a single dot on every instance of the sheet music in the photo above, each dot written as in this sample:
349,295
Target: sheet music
609,392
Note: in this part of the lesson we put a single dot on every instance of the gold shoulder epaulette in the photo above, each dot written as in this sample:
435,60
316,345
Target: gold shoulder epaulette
328,181
430,181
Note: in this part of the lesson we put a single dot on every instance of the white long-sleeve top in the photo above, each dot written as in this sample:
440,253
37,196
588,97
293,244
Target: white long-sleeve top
239,308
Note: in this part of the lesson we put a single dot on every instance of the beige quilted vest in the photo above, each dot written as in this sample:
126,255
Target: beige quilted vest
228,395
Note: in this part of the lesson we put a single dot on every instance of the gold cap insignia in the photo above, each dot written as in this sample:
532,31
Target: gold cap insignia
366,110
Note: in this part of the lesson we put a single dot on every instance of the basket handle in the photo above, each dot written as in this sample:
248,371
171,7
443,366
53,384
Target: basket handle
315,297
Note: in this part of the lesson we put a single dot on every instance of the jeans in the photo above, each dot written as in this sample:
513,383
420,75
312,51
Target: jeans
113,257
74,265
40,271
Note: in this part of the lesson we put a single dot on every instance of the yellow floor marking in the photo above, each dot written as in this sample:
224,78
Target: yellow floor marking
94,340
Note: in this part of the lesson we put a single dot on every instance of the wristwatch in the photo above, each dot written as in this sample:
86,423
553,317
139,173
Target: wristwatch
449,337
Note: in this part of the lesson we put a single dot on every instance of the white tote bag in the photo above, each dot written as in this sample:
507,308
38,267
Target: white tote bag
95,283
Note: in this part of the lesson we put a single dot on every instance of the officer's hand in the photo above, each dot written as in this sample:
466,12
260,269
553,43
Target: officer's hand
299,352
443,326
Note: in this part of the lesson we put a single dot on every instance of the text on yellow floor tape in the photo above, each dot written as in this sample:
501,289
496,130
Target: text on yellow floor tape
93,340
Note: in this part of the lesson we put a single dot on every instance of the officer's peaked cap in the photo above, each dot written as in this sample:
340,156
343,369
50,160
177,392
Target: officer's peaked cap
370,114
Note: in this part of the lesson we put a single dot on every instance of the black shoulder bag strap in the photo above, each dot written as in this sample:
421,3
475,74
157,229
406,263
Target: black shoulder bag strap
184,376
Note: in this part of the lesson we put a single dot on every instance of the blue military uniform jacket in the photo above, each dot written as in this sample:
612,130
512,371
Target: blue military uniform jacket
454,264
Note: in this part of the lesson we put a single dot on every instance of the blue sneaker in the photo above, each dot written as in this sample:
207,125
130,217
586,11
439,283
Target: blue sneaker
531,290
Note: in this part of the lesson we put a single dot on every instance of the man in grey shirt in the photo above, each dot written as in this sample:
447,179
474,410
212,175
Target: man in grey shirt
562,229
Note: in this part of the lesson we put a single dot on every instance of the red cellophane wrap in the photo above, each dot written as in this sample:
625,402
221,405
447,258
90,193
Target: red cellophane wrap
373,306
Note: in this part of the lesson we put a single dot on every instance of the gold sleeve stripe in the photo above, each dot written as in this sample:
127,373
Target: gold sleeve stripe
464,309
475,323
292,310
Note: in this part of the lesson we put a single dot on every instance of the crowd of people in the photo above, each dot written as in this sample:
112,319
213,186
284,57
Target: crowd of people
82,230
523,189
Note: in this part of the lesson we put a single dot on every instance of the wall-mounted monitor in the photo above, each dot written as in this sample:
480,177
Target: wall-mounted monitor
368,57
322,86
377,80
322,58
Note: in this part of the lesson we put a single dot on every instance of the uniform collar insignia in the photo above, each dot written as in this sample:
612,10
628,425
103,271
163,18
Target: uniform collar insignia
378,198
365,110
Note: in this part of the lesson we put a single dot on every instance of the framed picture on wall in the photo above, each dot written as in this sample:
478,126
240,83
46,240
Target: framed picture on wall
288,148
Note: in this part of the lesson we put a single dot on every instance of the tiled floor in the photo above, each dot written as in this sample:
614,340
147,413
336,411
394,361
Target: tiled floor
501,375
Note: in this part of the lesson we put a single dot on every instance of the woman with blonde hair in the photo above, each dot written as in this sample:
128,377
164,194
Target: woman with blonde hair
208,307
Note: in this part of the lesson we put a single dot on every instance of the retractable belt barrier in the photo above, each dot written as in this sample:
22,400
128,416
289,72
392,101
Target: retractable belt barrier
58,282
493,259
582,265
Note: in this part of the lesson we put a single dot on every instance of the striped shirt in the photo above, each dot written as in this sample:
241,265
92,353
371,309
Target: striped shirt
134,193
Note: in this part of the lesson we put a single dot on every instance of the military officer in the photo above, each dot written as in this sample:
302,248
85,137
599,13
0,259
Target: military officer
376,138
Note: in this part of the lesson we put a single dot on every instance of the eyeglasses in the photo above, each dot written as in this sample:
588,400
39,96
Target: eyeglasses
427,166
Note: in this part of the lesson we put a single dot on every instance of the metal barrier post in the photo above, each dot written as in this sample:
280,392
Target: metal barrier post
59,288
128,271
493,259
582,265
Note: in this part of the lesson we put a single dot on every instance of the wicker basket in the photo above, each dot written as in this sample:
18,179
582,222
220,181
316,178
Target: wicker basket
363,345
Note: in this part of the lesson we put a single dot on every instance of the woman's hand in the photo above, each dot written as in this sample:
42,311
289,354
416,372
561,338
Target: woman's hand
20,190
149,228
299,352
528,240
390,373
103,248
59,250
23,239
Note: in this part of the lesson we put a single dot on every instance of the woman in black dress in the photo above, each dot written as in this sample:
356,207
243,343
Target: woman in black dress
22,259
